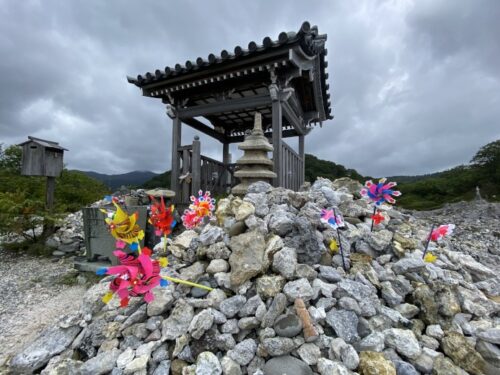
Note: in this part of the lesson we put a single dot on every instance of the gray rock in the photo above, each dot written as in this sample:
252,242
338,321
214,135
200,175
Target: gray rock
101,364
248,323
210,235
379,240
403,341
230,367
231,327
218,265
270,286
348,303
277,346
251,306
243,352
286,365
125,358
407,265
201,323
285,262
218,250
231,306
307,241
137,365
281,222
405,368
349,357
208,364
309,353
178,322
306,271
489,351
327,367
407,310
288,325
247,257
345,323
259,187
374,342
389,294
163,300
329,273
434,330
277,307
300,288
364,295
491,335
51,341
163,368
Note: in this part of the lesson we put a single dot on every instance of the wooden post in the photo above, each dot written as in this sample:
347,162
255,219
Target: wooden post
48,225
186,164
196,166
226,159
302,156
176,142
277,128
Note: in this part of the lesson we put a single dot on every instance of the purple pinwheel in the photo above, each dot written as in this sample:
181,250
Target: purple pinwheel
381,192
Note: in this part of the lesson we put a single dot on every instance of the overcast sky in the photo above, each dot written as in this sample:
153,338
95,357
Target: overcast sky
415,85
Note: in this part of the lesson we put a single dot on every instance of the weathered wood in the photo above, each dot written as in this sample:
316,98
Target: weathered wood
293,119
198,125
196,166
226,160
277,129
224,106
186,164
303,160
176,142
49,196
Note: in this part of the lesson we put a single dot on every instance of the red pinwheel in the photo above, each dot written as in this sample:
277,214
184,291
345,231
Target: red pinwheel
381,192
135,276
441,231
378,218
161,217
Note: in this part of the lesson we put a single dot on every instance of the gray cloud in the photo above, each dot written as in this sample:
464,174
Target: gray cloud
415,84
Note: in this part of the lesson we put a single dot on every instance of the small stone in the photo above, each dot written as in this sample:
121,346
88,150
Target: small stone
231,326
405,368
489,351
309,353
300,288
101,364
288,325
287,365
163,300
251,306
217,265
244,210
178,322
372,363
270,286
329,274
201,323
379,240
210,235
444,366
285,262
125,358
230,367
403,341
406,265
491,335
374,342
277,346
208,364
163,368
277,307
462,353
243,352
137,365
247,257
345,323
349,357
434,330
305,271
248,323
327,367
407,310
231,306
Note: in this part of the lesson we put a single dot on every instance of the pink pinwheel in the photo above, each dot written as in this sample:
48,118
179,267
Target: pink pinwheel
200,207
441,231
135,276
334,220
381,192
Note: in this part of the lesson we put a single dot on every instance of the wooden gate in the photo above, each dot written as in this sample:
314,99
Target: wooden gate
292,168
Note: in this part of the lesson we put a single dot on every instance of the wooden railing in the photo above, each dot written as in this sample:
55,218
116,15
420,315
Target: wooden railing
291,169
201,173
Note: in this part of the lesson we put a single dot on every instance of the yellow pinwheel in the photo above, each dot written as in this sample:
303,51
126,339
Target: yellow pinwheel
124,227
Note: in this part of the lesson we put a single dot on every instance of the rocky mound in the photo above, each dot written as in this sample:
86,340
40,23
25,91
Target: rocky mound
265,254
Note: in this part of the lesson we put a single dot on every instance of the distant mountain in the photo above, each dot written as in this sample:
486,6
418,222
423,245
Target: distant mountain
115,181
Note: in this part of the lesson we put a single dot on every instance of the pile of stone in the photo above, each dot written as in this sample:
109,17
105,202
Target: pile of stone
68,240
282,304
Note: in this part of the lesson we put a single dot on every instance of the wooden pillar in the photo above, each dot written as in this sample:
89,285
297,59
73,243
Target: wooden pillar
196,166
226,160
176,142
48,223
303,157
277,129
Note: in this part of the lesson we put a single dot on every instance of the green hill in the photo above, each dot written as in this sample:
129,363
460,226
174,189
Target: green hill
115,181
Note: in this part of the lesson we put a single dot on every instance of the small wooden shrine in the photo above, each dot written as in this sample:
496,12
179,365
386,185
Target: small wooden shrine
283,79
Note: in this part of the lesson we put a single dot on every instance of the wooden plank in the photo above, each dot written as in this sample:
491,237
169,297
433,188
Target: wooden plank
198,125
176,142
293,119
226,160
185,169
277,143
224,106
302,159
196,166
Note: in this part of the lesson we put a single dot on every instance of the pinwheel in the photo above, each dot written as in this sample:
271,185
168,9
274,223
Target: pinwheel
162,219
377,218
336,221
379,193
124,228
436,235
200,207
135,276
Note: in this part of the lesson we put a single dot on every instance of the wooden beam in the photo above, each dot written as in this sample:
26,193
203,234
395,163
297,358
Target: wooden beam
284,134
277,129
292,118
176,142
196,166
226,159
302,156
198,125
224,106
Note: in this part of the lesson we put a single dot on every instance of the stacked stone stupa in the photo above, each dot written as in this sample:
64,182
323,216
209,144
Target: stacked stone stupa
255,165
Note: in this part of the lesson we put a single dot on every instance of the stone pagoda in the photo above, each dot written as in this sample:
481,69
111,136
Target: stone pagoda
254,165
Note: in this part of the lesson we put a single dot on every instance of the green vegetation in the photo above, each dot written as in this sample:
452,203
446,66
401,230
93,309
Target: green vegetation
315,168
161,180
22,199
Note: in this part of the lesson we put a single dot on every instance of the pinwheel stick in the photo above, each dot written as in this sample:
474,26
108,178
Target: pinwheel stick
428,241
165,243
185,282
374,212
340,243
